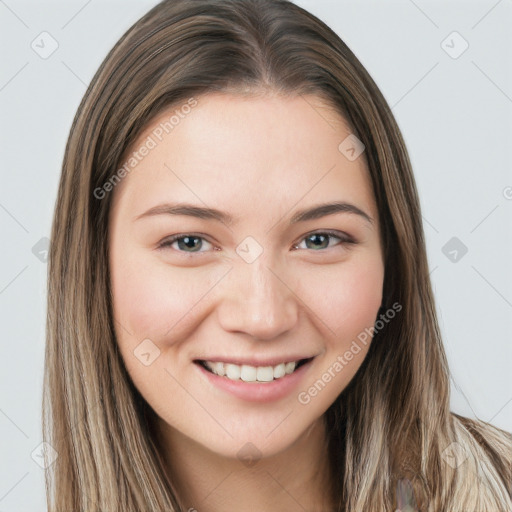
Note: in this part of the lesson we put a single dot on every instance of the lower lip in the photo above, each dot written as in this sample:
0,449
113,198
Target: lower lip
258,391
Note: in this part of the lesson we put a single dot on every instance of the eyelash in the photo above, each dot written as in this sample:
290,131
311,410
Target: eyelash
343,238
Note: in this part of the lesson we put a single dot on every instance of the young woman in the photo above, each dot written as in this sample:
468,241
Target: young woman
240,315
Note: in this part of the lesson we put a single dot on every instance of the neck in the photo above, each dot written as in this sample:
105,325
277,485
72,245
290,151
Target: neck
298,478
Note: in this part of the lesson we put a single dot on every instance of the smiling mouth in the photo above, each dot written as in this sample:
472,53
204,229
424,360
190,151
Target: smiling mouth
247,373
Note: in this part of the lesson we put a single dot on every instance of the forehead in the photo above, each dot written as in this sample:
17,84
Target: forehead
246,155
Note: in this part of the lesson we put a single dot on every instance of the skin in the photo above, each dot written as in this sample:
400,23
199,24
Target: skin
261,159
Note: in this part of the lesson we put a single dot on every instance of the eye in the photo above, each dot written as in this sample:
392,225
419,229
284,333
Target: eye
322,239
193,243
186,243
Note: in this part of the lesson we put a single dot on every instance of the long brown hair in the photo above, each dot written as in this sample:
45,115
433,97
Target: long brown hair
392,424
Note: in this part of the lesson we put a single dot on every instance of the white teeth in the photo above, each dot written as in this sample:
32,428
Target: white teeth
218,368
289,367
233,371
279,371
265,373
249,373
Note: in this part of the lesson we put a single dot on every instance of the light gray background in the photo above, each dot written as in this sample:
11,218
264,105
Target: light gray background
456,117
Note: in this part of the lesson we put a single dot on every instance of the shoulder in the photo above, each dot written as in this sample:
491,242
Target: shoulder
484,454
488,436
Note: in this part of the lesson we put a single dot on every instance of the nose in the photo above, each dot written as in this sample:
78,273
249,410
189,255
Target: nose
257,300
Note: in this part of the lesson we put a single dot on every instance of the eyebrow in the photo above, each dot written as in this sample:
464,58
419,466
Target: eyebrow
312,213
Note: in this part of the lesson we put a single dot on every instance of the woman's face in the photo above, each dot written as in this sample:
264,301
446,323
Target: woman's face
261,277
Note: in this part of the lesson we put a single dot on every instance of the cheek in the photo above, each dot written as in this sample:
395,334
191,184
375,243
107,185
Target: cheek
348,300
151,301
347,307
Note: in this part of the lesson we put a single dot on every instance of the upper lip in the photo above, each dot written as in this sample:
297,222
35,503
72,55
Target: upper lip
239,361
